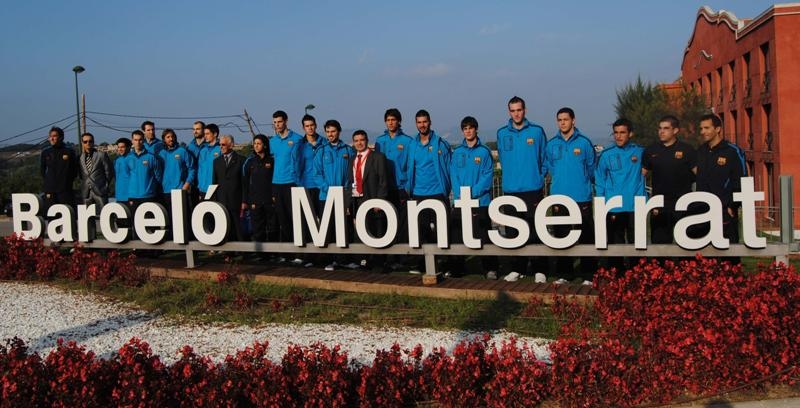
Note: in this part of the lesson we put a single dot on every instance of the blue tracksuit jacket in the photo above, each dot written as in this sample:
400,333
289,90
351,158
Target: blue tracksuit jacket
439,151
473,167
286,152
310,178
145,175
179,168
205,165
396,151
521,153
570,164
332,164
619,172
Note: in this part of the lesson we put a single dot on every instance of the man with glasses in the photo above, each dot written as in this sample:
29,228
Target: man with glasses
95,171
228,178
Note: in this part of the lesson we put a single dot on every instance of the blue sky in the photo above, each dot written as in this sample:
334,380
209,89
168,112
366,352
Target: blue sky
352,60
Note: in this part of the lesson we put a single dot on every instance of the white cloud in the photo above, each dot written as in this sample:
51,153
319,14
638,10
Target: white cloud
438,69
364,56
493,29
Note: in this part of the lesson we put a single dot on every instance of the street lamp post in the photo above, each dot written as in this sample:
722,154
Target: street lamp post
77,70
309,107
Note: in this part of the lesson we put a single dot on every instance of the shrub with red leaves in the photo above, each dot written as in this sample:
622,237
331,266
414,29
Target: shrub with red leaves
23,377
255,380
319,376
77,377
394,379
697,326
142,379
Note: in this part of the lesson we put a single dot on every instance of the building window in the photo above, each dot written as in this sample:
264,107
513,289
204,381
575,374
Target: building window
734,129
770,184
748,125
732,80
746,75
768,136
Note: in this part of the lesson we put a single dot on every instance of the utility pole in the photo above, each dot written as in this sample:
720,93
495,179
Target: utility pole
77,70
249,123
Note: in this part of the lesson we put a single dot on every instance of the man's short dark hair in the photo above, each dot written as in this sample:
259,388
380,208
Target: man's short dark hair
124,140
423,113
566,110
623,122
361,132
673,121
393,112
58,130
333,123
147,122
137,132
715,120
201,123
87,134
280,114
516,99
308,117
469,121
213,128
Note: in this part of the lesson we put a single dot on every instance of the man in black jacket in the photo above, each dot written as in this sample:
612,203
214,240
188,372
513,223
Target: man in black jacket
59,167
227,175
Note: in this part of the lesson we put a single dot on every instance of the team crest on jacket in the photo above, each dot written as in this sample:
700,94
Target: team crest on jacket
440,151
722,161
65,157
430,148
253,206
634,159
177,157
400,147
679,154
290,143
529,141
267,165
145,163
576,151
477,160
216,154
345,156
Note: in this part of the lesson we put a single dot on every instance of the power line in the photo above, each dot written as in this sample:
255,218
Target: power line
164,117
34,130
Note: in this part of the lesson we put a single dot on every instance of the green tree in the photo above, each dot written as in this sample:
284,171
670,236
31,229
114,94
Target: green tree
643,103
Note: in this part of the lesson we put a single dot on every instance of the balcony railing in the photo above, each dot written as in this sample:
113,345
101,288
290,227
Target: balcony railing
750,141
765,84
768,141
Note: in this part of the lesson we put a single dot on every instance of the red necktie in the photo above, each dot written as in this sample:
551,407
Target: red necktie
359,177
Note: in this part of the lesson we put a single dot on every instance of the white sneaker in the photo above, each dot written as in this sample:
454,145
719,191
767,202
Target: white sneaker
512,277
539,278
415,272
491,275
331,266
308,264
352,265
363,263
587,283
448,274
297,261
561,281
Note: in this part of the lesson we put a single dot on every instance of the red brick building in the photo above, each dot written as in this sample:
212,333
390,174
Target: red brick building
749,72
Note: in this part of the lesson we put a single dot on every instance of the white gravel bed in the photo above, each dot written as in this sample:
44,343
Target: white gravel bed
40,314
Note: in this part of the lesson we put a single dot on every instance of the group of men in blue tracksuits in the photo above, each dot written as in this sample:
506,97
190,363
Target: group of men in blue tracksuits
425,167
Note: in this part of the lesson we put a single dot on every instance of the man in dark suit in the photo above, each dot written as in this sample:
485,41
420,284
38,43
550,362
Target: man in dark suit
227,175
370,180
96,172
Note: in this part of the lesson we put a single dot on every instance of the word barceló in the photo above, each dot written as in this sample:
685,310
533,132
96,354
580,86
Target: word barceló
150,220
